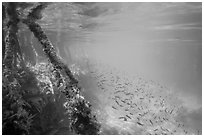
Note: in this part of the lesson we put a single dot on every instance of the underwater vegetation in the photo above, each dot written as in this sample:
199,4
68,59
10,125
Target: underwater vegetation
40,99
48,97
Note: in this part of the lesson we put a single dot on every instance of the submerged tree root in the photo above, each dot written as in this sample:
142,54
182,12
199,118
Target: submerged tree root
58,79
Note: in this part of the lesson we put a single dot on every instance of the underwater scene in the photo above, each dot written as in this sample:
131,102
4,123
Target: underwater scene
101,68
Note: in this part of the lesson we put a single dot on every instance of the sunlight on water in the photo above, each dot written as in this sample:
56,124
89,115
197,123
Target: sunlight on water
124,54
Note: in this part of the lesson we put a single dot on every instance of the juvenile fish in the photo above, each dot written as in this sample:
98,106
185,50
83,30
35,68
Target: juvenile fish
151,122
113,107
140,124
124,118
129,117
